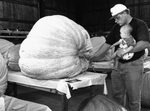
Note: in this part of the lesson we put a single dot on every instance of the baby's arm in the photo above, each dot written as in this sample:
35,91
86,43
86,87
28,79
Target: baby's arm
114,55
127,50
117,43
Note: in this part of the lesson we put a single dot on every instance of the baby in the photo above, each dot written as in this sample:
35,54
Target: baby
125,33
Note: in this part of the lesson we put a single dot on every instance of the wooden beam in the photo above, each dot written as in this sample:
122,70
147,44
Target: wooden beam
41,4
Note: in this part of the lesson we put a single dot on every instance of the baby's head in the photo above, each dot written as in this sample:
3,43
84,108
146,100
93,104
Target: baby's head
125,31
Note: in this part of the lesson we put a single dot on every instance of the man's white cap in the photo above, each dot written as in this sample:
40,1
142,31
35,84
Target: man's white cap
118,8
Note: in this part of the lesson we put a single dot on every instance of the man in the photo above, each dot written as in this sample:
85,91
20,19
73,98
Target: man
127,79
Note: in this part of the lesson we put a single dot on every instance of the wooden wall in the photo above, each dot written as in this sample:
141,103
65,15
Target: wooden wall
95,14
22,14
140,9
18,14
62,7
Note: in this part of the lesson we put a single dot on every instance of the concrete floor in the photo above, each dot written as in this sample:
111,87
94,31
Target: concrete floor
54,101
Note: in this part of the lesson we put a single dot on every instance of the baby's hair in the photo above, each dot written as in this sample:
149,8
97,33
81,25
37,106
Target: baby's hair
127,28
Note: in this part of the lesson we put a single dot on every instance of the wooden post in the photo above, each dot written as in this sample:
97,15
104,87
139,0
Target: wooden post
64,102
15,89
41,6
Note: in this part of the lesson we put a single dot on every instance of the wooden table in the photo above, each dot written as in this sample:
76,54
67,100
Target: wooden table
63,87
100,69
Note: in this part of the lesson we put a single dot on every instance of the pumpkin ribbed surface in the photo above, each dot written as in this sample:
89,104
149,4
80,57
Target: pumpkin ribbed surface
5,46
12,56
3,74
51,49
100,103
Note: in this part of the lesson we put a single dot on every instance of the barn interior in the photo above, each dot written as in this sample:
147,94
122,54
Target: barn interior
17,17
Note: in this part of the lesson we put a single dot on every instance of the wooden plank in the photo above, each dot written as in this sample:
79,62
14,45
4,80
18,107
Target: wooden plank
26,1
131,1
7,10
31,3
144,1
50,3
11,32
50,12
134,11
17,15
27,26
1,25
1,9
12,36
145,11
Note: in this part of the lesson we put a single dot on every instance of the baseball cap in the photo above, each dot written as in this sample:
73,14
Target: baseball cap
115,10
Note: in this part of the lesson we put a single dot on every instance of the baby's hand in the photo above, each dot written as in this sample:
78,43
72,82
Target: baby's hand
129,41
111,47
120,52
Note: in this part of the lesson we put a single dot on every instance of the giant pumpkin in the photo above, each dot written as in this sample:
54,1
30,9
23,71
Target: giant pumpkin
100,103
52,49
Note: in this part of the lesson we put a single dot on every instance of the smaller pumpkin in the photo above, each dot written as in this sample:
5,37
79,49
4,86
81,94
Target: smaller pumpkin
5,45
100,103
12,56
145,97
3,74
97,43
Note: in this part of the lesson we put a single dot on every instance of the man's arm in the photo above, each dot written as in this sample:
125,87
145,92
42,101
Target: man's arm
127,50
99,54
142,37
141,45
